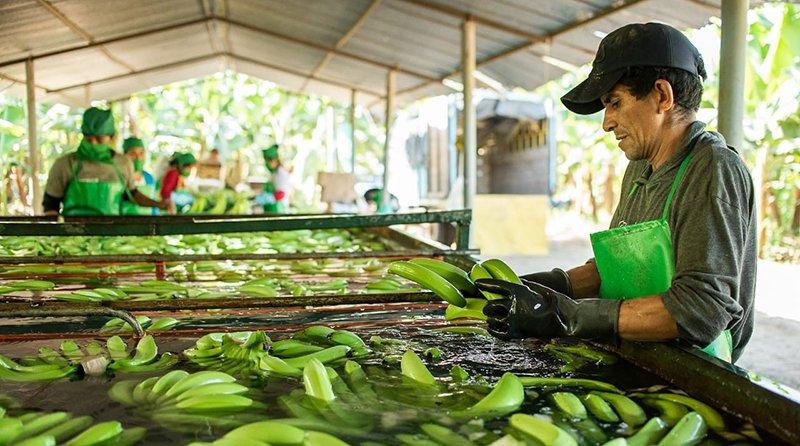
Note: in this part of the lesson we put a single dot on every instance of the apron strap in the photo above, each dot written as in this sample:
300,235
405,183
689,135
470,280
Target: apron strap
675,182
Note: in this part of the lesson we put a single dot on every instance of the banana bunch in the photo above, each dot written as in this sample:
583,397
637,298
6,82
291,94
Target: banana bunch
35,369
53,428
178,400
199,205
117,325
453,284
576,356
265,433
236,353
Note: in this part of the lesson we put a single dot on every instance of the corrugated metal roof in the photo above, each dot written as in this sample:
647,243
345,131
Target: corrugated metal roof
108,49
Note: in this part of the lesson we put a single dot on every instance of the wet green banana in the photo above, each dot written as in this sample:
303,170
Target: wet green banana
477,331
45,375
146,351
317,382
599,408
712,418
196,380
478,272
689,430
68,428
569,404
314,438
473,309
270,432
669,411
506,397
500,271
117,348
590,384
163,323
430,280
314,333
412,367
650,433
40,424
258,290
97,434
216,402
348,338
166,382
540,431
231,388
324,356
453,274
630,412
278,366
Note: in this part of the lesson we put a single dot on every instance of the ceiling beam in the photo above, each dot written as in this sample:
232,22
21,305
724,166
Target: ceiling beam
96,43
337,52
525,45
76,29
343,40
302,74
166,66
212,56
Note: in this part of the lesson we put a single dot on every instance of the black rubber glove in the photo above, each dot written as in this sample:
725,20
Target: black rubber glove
556,279
535,311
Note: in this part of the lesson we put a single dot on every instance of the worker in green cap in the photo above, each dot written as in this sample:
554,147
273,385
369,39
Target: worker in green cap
94,179
172,184
134,149
275,196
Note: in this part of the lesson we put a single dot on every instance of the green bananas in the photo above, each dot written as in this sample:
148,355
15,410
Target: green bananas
712,418
506,397
540,431
412,367
430,280
499,270
453,274
59,427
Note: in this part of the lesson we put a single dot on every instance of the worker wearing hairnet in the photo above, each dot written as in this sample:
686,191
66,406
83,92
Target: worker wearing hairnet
145,183
277,191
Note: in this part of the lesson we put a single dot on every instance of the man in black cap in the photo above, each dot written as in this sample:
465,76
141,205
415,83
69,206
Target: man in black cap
679,260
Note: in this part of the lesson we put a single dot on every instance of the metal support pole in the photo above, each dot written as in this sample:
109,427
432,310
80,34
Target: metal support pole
391,79
33,142
469,125
731,70
353,131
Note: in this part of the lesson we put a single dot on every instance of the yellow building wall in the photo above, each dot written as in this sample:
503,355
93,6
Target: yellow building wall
511,224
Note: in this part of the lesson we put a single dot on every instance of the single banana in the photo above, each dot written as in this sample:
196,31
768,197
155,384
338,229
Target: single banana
630,412
165,383
453,274
499,270
569,404
97,434
541,431
444,435
413,367
270,432
277,365
213,389
478,272
591,384
68,428
211,403
599,408
317,382
690,430
506,397
669,412
430,280
324,356
650,433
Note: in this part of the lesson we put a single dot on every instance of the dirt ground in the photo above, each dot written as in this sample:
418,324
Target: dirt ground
771,351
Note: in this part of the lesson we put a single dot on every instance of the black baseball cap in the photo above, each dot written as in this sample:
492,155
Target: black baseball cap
637,44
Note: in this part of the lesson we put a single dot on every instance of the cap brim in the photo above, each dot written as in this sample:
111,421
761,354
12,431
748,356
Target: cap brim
584,99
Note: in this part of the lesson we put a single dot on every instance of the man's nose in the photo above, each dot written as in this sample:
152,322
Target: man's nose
609,123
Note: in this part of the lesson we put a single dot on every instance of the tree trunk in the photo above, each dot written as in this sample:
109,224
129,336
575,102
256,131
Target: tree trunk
796,215
608,198
592,199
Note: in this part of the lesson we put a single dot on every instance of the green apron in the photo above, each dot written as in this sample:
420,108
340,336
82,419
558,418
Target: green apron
638,260
89,197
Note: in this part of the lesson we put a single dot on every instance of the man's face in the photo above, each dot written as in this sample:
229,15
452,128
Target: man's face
136,153
636,123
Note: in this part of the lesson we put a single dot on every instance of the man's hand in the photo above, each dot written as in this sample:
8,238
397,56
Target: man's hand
535,311
556,279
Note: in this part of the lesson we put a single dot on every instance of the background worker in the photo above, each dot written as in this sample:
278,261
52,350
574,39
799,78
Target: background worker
276,194
679,261
94,179
133,148
172,184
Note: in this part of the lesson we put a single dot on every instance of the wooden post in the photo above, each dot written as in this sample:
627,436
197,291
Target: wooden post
470,124
353,131
391,80
731,70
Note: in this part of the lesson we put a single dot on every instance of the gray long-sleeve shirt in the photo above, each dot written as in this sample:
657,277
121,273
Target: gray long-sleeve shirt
713,223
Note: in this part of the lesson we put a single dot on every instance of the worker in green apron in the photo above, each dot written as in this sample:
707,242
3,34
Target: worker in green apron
275,195
93,180
145,183
679,260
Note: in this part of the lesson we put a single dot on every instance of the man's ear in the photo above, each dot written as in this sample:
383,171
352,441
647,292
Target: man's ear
663,95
